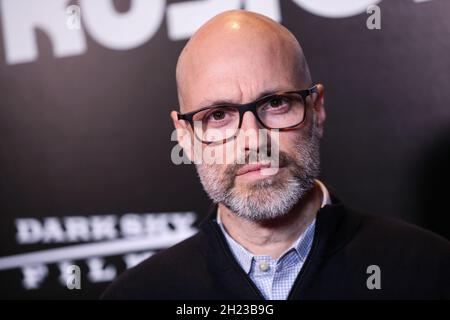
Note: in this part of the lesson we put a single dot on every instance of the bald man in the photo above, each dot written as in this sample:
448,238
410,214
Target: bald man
274,231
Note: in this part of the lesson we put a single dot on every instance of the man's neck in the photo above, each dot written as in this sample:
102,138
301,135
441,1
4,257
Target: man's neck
273,237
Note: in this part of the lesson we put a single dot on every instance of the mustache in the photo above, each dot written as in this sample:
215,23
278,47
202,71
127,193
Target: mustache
283,161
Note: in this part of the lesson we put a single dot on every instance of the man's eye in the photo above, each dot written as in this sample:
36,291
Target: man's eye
218,115
278,102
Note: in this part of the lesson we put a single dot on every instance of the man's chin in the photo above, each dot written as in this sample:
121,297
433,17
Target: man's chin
255,181
259,211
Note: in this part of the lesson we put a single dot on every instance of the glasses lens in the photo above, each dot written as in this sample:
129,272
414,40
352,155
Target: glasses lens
216,124
282,111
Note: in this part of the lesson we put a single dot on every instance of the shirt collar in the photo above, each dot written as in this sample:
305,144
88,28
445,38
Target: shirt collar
242,255
301,246
326,199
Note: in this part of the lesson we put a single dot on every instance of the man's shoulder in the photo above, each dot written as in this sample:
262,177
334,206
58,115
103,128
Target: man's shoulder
402,250
412,262
180,265
393,234
354,229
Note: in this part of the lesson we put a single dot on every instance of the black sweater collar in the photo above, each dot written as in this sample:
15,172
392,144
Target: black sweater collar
335,226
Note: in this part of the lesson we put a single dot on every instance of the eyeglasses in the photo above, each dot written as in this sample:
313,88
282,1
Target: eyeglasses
219,123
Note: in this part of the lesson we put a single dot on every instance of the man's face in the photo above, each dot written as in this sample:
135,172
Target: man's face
221,73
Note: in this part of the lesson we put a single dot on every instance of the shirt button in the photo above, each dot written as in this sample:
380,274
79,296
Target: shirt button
263,266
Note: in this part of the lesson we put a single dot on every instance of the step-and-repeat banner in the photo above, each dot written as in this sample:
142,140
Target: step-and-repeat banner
87,185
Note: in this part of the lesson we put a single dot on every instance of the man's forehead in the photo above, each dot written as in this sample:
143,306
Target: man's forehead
236,53
237,97
236,89
240,76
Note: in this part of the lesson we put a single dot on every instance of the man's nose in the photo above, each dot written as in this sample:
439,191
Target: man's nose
249,122
250,131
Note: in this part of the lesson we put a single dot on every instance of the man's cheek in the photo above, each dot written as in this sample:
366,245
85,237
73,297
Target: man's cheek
291,143
287,139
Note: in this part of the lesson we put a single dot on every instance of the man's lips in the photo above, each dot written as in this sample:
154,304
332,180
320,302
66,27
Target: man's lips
251,167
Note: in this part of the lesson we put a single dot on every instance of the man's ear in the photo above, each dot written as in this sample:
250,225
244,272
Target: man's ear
319,109
184,136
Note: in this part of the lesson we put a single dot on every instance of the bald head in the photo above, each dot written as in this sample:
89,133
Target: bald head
234,57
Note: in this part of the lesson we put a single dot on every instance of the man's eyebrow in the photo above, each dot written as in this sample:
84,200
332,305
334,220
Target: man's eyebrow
209,103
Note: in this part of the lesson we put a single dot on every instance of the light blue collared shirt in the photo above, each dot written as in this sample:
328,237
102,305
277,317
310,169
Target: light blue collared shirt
275,277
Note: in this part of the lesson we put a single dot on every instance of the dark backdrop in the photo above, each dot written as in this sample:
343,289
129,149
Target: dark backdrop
85,132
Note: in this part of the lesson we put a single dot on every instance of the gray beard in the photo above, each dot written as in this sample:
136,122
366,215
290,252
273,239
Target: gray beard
271,197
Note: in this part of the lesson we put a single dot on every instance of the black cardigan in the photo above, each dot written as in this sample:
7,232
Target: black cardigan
414,263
